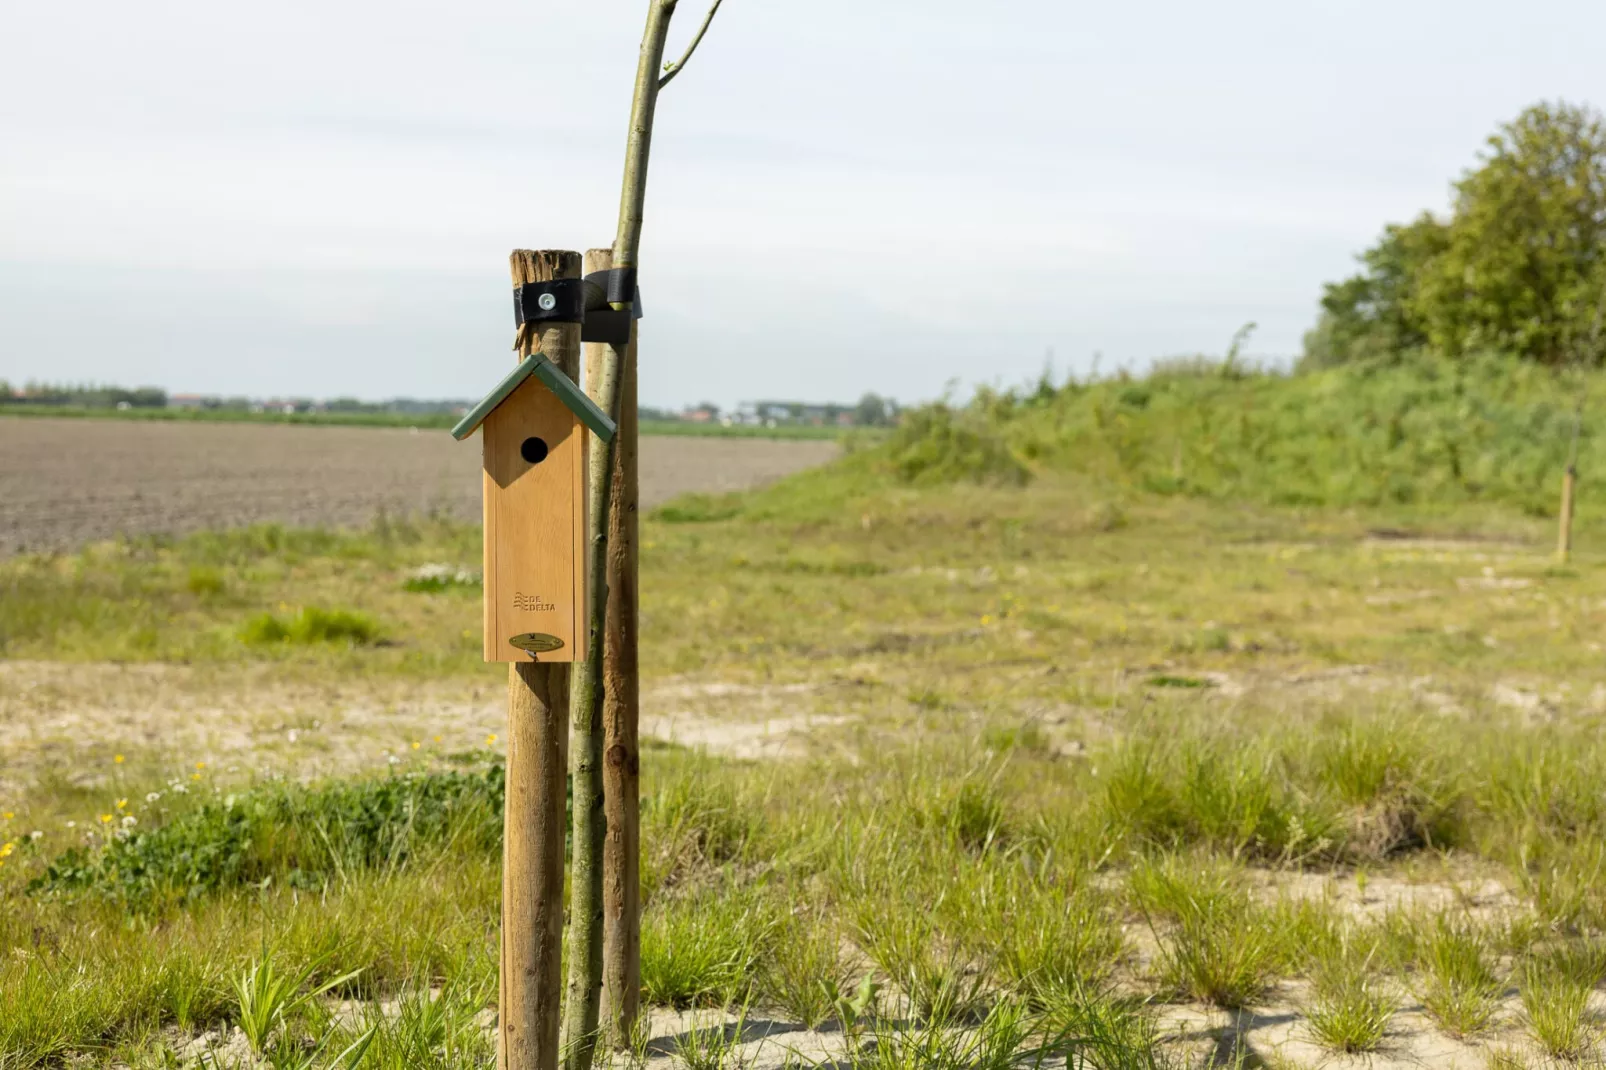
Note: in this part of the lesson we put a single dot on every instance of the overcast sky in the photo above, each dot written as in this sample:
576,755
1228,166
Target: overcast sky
847,195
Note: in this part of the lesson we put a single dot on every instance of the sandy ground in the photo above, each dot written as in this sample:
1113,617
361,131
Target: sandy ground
64,482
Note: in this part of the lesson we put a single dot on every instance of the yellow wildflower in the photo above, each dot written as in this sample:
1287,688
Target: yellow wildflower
490,740
122,804
416,744
10,814
117,759
200,765
437,739
7,849
105,819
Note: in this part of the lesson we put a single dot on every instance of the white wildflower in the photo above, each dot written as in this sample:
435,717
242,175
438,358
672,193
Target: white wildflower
130,821
152,796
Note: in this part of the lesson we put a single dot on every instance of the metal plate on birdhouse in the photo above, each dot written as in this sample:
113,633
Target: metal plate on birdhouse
536,642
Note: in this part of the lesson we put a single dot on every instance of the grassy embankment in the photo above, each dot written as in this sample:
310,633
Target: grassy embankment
391,419
1097,733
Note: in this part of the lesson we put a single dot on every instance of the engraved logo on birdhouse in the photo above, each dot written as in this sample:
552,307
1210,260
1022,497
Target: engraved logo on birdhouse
532,603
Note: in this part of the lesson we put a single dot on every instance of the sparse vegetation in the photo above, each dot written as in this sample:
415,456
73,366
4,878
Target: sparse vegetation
1041,757
1457,984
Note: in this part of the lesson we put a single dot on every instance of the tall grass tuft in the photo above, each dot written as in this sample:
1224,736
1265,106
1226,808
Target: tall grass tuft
1555,990
804,974
704,948
266,997
1456,982
1215,945
311,625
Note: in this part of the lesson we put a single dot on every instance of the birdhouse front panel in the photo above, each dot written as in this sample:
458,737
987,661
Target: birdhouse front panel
535,459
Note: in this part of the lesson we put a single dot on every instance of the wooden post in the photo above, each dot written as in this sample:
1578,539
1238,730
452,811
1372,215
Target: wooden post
1564,538
530,988
621,706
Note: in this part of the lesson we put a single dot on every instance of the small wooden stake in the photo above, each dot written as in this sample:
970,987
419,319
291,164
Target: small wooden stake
530,990
621,708
1564,538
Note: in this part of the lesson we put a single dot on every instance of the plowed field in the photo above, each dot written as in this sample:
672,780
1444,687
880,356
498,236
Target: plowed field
66,482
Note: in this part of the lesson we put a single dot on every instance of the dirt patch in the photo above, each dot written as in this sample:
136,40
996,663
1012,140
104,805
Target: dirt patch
67,482
250,721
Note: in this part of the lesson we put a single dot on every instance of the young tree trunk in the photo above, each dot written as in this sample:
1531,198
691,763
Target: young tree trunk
530,977
621,763
581,1020
585,937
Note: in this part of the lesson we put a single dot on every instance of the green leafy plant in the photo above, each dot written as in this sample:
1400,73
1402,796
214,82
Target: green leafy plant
303,836
266,997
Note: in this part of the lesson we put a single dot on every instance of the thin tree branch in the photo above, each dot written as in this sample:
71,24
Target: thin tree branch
675,68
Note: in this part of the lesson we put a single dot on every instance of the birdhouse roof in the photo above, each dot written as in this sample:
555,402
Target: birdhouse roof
574,399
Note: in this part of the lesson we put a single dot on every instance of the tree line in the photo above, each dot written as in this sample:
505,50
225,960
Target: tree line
84,395
1517,268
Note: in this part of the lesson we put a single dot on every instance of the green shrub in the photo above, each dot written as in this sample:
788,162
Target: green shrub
935,445
312,625
304,836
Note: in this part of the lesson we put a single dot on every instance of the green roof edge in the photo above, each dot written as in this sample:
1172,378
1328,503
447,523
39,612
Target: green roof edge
574,399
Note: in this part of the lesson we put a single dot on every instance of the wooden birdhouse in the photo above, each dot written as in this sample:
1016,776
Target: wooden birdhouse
534,484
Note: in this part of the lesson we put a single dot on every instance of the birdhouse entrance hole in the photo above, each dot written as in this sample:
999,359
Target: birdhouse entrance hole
533,450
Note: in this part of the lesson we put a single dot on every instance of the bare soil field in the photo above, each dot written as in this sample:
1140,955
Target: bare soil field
66,482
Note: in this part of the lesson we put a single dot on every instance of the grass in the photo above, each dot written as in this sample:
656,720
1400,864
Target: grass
312,624
703,948
1215,946
1417,432
805,976
1457,983
1350,1005
1074,736
1555,989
